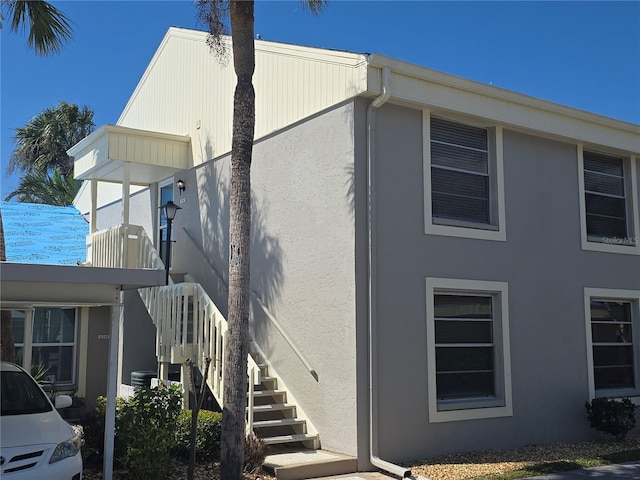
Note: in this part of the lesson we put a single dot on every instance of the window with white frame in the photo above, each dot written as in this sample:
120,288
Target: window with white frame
609,202
51,342
464,185
612,335
468,349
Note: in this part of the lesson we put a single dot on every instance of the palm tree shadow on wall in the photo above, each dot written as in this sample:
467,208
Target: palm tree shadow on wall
208,233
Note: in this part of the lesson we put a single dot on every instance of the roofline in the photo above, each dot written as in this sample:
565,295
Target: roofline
509,107
108,128
459,83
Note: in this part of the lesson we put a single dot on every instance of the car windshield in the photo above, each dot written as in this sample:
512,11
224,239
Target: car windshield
20,395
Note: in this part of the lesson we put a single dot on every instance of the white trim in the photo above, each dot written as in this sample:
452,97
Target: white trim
500,289
27,337
83,349
610,294
431,228
633,216
432,89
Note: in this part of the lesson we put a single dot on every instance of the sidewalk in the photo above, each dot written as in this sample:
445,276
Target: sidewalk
622,471
610,472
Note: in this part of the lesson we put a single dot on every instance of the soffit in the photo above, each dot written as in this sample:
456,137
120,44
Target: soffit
25,285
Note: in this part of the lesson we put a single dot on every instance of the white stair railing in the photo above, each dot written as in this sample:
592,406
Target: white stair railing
188,323
123,246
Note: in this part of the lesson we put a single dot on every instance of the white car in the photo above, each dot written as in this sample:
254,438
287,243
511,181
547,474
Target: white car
35,442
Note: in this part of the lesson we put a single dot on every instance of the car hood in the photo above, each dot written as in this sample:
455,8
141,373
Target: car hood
34,429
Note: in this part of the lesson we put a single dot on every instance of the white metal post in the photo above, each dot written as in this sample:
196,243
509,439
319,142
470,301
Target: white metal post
126,181
117,319
94,208
28,336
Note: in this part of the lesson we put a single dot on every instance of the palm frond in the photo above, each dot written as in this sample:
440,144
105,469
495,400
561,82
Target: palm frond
47,26
315,6
42,144
214,14
40,187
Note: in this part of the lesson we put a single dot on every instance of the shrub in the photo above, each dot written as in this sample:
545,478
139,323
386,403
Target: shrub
145,431
255,451
39,373
145,426
615,417
93,426
207,436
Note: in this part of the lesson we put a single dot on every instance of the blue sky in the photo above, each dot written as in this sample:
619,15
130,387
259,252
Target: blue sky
581,54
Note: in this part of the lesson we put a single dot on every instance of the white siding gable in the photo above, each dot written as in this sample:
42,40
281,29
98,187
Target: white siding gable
186,90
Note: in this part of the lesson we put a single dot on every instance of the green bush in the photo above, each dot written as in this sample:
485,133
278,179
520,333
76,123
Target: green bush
151,429
615,417
93,426
145,426
207,436
145,431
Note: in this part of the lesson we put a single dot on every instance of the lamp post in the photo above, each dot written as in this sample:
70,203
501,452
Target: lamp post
169,209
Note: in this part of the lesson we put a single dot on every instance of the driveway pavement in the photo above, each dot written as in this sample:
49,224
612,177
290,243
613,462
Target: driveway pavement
610,472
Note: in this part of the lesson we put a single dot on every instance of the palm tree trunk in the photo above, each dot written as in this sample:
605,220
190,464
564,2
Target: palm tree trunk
7,350
237,348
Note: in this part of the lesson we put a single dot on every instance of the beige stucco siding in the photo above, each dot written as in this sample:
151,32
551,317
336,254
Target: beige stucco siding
302,260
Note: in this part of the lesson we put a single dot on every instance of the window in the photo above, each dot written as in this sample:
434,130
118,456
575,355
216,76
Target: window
613,341
468,350
464,184
609,199
50,341
166,194
605,196
459,172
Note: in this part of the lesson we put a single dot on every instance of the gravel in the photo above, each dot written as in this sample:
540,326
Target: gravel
461,466
490,462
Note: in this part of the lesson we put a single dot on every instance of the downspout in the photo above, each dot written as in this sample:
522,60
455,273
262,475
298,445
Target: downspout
375,460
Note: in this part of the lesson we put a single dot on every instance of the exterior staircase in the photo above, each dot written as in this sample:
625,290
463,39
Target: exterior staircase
275,419
190,326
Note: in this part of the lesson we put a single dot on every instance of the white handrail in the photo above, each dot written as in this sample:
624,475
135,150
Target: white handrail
266,310
128,246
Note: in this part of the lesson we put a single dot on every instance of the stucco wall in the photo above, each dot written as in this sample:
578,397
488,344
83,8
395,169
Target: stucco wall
302,260
138,338
140,212
546,271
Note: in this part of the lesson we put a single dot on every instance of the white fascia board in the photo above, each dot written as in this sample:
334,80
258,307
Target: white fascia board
87,142
344,57
430,88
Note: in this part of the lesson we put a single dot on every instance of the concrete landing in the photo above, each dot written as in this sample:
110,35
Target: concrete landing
359,476
303,464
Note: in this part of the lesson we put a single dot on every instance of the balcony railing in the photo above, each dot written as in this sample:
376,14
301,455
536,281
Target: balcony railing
188,323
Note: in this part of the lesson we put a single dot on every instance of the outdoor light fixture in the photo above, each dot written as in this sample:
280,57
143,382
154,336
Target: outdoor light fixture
181,185
169,209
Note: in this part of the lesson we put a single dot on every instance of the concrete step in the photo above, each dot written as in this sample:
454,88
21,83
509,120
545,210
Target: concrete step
278,423
302,464
297,437
268,393
272,407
